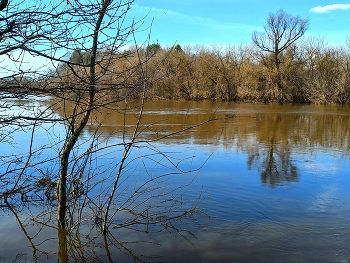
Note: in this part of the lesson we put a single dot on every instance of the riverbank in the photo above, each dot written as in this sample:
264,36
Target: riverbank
310,72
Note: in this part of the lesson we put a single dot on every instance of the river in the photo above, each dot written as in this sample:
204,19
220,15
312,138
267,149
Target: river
267,183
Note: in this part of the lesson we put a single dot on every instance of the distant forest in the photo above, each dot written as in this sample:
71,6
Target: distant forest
310,72
280,65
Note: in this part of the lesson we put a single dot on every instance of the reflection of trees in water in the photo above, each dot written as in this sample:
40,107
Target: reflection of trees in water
280,127
274,165
44,240
306,125
272,137
151,202
148,199
273,160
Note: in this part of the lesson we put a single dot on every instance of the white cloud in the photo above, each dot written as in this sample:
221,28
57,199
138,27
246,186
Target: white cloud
327,8
179,17
195,29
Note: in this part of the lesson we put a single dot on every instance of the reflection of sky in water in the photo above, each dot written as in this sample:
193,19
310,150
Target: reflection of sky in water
325,199
238,195
300,217
302,221
321,165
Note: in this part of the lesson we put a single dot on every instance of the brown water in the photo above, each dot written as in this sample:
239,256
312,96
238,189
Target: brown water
273,188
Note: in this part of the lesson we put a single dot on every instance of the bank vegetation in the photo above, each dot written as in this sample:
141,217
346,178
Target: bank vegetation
310,72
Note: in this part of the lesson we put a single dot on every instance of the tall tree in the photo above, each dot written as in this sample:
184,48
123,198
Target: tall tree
83,29
22,25
280,32
63,32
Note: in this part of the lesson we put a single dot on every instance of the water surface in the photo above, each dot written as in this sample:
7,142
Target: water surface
272,182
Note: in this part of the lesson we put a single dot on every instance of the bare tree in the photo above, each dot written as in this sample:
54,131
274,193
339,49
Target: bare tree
20,28
280,32
81,40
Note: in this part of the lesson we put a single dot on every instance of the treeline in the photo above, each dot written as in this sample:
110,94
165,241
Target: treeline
309,72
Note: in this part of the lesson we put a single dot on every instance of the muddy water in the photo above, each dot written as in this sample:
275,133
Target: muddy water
272,184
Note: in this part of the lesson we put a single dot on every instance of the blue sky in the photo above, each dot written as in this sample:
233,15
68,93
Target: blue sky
233,21
190,22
